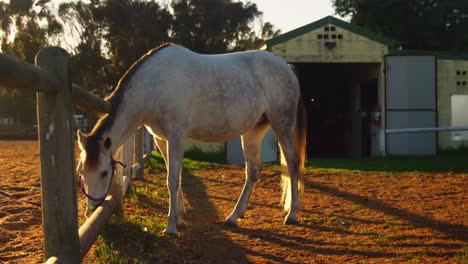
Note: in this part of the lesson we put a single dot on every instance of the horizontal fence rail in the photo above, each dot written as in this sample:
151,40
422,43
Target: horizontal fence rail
16,74
89,101
424,129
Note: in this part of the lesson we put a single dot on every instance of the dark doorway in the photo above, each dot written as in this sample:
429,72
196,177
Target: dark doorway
340,99
369,102
326,94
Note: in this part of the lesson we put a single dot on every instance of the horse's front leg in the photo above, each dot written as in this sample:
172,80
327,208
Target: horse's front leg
162,146
175,155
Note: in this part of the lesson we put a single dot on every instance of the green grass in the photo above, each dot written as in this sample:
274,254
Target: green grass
462,257
196,154
194,159
141,225
446,161
454,161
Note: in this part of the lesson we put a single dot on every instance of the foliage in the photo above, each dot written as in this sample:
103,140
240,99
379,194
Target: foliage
90,68
417,24
218,26
26,27
106,44
131,28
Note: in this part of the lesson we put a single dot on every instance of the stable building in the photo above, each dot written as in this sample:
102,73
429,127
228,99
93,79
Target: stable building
355,85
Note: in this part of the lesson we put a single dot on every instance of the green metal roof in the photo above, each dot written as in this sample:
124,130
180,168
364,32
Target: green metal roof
323,22
439,54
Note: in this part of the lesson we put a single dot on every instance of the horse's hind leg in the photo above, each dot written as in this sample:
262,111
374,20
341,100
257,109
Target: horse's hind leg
251,141
284,132
162,146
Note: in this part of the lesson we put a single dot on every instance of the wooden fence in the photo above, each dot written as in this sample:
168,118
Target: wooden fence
56,95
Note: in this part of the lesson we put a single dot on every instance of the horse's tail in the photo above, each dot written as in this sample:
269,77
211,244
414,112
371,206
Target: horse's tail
300,137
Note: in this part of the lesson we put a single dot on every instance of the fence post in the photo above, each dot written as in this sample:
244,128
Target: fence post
125,154
54,116
139,153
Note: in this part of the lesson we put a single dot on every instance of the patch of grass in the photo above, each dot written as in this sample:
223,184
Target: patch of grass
212,157
454,161
461,257
142,224
105,253
194,159
313,219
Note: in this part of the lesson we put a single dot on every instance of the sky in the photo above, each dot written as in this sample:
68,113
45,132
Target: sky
290,14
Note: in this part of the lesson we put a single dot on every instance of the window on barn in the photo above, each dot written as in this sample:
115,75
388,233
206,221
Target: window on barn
459,116
340,36
319,36
327,28
332,28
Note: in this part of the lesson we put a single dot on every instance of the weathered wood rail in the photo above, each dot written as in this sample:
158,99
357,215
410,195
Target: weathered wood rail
56,96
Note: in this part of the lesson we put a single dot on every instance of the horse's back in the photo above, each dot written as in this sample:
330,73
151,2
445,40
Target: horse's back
219,96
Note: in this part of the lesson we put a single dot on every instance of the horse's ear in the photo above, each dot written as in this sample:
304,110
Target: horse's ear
81,139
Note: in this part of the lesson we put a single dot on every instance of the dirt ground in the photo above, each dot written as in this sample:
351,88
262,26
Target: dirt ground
345,217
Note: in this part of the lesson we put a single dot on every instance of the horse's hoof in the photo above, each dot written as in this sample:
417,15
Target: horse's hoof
170,233
291,221
230,223
180,222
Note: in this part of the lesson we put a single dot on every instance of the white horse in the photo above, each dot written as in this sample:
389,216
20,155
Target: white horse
176,93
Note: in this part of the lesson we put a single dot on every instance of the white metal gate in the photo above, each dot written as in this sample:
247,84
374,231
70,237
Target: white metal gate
411,102
268,149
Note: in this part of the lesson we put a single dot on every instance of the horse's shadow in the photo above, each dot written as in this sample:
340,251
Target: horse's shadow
201,236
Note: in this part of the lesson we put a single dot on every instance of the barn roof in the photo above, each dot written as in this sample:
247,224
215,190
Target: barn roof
442,55
326,21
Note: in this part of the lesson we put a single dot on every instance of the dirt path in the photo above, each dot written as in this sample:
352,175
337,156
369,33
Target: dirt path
345,218
20,224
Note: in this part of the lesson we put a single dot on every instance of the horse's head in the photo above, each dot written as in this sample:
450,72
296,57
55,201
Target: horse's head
95,167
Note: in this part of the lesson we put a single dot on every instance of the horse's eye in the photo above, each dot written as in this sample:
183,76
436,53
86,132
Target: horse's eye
104,174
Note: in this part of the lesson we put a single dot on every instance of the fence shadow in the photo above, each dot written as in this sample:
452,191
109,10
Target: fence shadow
454,231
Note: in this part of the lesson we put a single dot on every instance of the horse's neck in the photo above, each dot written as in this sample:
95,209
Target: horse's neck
126,121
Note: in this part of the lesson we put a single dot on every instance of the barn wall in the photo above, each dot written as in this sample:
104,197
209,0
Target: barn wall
351,48
447,86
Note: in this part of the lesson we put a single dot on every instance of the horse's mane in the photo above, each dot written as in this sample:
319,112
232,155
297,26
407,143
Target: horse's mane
115,98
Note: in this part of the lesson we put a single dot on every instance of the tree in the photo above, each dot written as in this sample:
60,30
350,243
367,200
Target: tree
32,26
91,69
27,26
417,24
131,28
255,40
215,26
